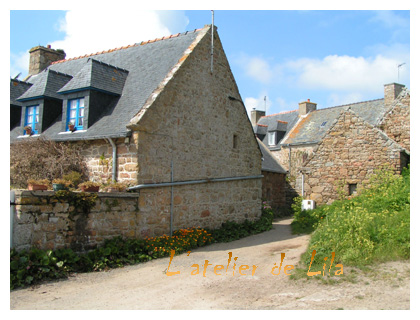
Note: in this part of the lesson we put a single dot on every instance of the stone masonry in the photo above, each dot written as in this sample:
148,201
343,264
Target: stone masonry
46,224
348,154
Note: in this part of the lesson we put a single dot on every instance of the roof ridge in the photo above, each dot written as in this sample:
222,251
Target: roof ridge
275,114
126,47
349,104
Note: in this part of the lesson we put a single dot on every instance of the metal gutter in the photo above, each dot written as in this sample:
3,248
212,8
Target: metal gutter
189,182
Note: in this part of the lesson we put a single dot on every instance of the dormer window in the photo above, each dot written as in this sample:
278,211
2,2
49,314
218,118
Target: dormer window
32,117
272,138
76,113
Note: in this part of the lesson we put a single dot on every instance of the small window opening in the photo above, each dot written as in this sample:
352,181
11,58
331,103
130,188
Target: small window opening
272,138
352,188
235,141
323,124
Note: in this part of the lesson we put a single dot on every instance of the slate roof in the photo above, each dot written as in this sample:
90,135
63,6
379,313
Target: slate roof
17,88
312,127
284,121
99,76
47,83
146,63
269,163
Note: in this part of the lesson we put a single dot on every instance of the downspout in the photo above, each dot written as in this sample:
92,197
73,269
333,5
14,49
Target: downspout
114,159
12,215
303,185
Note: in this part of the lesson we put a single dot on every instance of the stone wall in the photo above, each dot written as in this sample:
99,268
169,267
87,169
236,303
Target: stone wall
292,160
197,122
349,154
273,189
396,123
98,157
43,222
47,224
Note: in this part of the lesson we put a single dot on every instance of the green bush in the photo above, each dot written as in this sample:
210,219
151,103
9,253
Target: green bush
231,231
371,227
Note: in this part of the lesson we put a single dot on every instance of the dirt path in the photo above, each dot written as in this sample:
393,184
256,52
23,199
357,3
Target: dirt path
146,286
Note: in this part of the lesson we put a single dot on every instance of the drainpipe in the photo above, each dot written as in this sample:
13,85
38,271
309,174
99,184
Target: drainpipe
12,215
189,182
303,185
114,159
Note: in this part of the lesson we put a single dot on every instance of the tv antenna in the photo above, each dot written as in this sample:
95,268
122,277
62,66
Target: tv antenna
399,66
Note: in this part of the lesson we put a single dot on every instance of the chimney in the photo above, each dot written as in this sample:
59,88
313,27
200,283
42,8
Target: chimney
391,92
256,115
41,57
306,106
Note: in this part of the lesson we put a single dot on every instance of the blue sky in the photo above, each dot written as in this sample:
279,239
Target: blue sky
329,57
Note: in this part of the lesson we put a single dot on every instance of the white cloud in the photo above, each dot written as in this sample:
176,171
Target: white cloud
345,73
258,103
90,33
390,19
19,63
256,68
87,33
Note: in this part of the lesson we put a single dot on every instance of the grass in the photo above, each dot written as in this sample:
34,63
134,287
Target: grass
370,228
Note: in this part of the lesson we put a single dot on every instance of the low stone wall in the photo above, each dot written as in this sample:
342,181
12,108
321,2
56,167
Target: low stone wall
43,222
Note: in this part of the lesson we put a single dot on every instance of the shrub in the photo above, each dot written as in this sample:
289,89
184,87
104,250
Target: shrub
43,159
371,227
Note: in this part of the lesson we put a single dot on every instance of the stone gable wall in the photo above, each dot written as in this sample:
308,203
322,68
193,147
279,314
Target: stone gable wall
396,123
349,154
195,126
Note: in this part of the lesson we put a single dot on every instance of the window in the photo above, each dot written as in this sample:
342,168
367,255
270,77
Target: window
272,138
323,124
352,188
235,141
75,113
32,117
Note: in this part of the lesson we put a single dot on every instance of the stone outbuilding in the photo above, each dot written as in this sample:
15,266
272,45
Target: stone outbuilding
320,146
162,113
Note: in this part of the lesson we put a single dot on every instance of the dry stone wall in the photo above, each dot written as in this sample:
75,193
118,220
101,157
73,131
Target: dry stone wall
42,222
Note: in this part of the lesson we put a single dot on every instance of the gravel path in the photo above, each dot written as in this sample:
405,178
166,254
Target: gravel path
146,286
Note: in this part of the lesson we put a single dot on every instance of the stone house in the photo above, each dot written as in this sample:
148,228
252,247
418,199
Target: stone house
164,115
321,147
274,180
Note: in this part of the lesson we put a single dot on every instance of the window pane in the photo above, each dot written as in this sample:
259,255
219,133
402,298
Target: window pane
73,104
80,122
81,112
73,114
30,119
37,109
82,103
37,118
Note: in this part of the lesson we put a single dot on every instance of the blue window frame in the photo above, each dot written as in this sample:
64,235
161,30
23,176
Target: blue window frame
76,113
32,118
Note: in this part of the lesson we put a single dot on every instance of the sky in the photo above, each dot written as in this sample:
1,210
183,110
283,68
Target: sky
278,57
